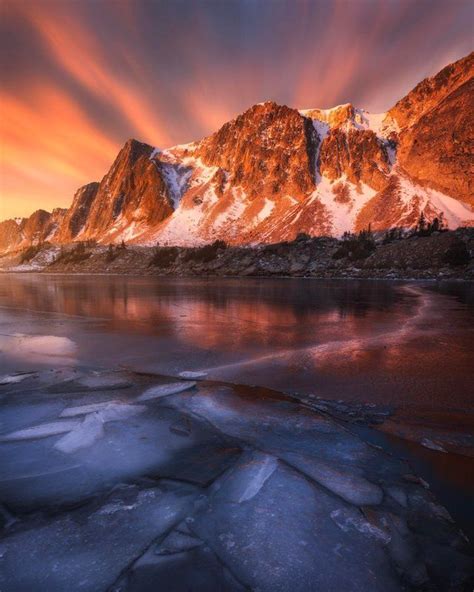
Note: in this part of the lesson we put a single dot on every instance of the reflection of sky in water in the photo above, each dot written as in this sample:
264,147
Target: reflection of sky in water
41,349
377,341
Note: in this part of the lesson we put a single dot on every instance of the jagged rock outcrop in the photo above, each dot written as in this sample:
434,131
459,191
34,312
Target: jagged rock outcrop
10,235
436,141
357,154
38,228
77,215
132,194
268,150
431,91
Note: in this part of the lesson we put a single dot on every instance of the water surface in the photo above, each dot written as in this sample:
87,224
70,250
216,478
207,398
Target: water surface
396,343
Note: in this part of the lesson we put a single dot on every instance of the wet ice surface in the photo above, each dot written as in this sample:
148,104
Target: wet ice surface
146,474
207,489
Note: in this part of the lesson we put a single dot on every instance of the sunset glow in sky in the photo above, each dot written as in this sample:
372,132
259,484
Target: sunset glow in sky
81,77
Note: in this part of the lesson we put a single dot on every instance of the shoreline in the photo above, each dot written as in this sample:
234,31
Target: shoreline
239,277
443,255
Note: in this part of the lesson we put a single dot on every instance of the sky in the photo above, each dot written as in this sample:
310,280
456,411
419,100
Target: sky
80,77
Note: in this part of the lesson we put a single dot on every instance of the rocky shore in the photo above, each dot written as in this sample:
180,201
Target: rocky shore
442,255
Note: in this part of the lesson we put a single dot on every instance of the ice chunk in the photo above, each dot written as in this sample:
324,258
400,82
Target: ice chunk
350,518
84,435
432,445
284,538
247,479
120,411
177,542
109,411
197,569
95,382
41,431
182,427
130,450
164,390
85,409
191,375
347,484
88,549
14,378
398,494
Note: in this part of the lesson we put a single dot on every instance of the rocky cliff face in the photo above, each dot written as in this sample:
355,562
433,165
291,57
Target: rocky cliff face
78,214
436,150
356,154
268,151
40,227
274,172
131,196
10,235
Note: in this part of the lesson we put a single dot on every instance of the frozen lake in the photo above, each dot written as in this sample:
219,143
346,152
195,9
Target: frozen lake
374,341
229,434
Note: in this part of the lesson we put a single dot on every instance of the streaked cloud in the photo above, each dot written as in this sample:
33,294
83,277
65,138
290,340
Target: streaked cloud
82,77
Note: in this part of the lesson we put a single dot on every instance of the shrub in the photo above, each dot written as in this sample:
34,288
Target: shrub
164,256
75,255
356,247
425,228
112,253
392,235
29,253
457,254
302,237
205,253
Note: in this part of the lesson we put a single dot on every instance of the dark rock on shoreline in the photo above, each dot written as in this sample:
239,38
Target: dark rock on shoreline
442,255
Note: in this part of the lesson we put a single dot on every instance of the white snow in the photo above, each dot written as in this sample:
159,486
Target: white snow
455,212
233,212
379,123
324,114
176,178
343,216
154,152
267,209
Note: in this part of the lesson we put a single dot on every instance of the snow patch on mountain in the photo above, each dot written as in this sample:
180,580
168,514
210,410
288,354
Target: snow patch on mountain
455,213
343,214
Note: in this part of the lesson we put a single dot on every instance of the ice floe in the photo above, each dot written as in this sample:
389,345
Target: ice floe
192,375
15,378
82,436
164,390
41,431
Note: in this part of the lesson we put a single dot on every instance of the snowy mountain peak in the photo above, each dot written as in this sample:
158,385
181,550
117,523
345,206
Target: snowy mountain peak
274,172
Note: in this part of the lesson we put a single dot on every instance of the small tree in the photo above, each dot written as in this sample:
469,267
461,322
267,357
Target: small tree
110,256
421,226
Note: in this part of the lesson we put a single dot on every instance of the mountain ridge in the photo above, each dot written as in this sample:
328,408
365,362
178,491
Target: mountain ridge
274,172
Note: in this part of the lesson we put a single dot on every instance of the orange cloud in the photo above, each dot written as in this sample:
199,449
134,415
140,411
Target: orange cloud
82,77
76,50
49,148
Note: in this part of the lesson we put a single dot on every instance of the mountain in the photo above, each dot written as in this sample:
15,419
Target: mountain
41,226
274,172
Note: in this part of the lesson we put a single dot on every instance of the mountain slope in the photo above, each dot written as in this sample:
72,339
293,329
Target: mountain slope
274,172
